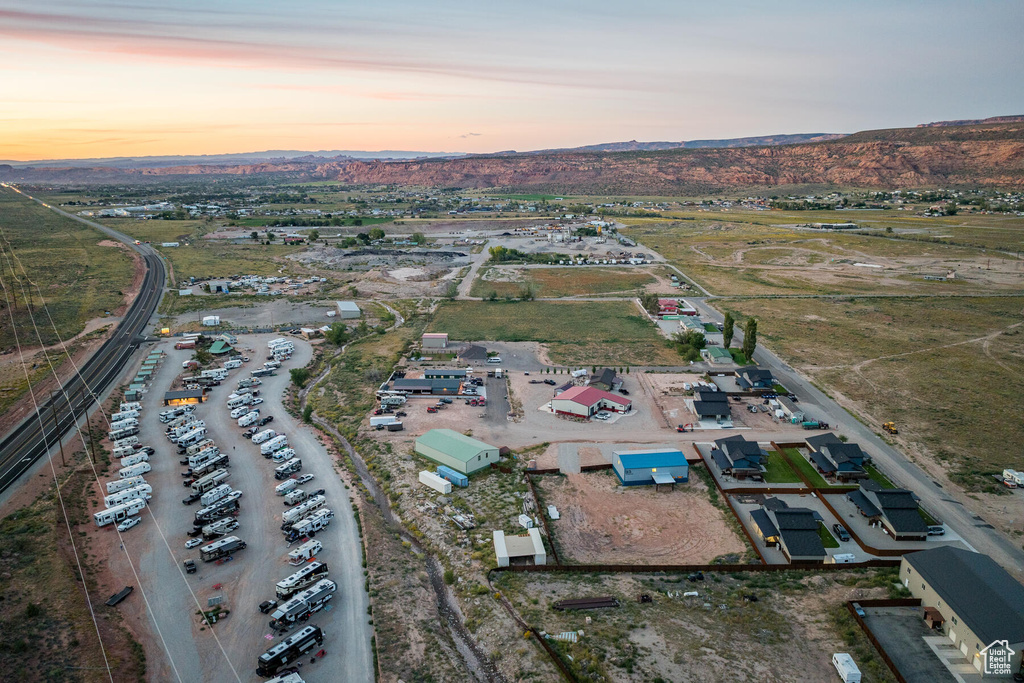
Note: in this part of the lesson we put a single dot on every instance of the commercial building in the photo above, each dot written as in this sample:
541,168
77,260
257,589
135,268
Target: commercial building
184,398
220,286
434,340
646,467
529,545
586,401
444,373
972,600
895,510
435,387
788,410
459,452
348,310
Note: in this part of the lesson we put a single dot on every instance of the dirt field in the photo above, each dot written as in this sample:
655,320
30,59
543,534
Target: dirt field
604,522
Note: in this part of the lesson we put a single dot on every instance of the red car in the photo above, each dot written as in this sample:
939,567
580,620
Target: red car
431,409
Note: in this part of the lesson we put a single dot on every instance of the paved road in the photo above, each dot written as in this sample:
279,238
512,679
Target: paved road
250,577
30,439
936,499
476,260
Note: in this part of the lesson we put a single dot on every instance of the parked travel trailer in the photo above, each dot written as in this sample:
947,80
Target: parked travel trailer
219,528
213,495
302,510
124,415
300,580
239,412
193,437
221,548
134,459
130,441
282,455
134,470
118,434
142,490
289,467
277,443
265,435
221,508
124,423
119,513
131,405
221,460
199,447
122,484
308,526
304,552
285,486
208,481
304,604
122,451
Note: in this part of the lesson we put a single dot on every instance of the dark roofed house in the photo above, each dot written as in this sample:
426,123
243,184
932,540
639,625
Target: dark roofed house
773,503
833,458
473,352
755,377
712,404
605,380
711,396
979,602
896,510
739,458
798,535
443,373
764,527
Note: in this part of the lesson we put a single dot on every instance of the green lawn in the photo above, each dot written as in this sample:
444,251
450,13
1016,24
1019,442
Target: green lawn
827,539
738,357
804,465
878,477
710,327
778,471
577,333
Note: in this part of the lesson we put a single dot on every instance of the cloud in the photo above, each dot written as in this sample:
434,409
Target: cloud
470,135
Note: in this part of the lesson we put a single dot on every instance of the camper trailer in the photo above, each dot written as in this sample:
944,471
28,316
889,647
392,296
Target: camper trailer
119,513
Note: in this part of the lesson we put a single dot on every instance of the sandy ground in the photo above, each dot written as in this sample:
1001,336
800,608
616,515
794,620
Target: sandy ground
602,521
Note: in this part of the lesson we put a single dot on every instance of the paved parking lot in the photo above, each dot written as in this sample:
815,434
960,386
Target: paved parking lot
249,578
901,632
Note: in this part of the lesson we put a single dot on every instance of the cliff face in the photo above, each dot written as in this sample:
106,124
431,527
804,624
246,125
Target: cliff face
947,156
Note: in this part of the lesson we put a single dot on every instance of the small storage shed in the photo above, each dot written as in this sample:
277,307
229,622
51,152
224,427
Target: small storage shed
348,309
219,348
459,452
528,545
646,467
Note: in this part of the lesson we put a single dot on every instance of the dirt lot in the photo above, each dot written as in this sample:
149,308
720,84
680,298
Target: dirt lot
716,636
602,521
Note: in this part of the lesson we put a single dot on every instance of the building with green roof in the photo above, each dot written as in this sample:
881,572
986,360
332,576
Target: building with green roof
220,347
457,451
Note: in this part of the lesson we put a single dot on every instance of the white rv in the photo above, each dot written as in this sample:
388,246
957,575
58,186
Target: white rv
306,551
265,435
284,487
249,418
119,513
278,442
122,484
134,459
134,470
120,497
215,494
288,467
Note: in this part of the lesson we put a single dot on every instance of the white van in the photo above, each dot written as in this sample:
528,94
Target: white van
495,360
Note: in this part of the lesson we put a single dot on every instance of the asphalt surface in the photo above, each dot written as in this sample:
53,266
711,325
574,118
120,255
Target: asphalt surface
30,440
940,503
249,578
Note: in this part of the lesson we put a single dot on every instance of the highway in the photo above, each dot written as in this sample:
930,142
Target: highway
28,442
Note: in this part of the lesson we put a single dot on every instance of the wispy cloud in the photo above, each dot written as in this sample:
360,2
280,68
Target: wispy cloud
470,135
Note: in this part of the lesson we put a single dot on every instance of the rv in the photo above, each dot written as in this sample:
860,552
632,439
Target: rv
282,488
392,400
305,552
289,650
249,382
218,528
299,511
199,447
124,415
121,497
232,364
122,484
122,451
133,405
303,605
215,373
221,460
288,467
208,481
124,424
265,435
119,513
239,400
263,372
239,412
202,457
119,434
312,524
168,415
295,496
134,459
178,431
272,364
846,667
193,437
134,470
382,420
221,548
221,508
126,442
277,443
215,494
305,577
282,455
277,342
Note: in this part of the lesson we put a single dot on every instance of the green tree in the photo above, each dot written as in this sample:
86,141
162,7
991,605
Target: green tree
650,302
357,221
337,335
376,234
254,235
307,414
363,237
270,236
314,235
750,339
418,238
728,329
300,376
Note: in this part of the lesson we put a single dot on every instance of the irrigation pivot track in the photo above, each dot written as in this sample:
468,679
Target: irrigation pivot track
26,443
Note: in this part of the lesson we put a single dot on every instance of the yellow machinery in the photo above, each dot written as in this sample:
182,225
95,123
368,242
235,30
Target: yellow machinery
890,427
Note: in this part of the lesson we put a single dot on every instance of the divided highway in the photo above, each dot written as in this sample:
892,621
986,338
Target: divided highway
30,441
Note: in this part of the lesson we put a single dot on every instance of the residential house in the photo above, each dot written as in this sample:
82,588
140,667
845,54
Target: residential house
764,527
605,380
798,535
714,405
753,377
716,355
835,459
895,510
739,458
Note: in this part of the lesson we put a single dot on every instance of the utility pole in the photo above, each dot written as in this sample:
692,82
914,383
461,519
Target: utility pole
56,427
88,423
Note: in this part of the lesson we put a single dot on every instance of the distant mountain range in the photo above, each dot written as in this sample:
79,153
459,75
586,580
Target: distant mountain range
973,122
984,154
269,156
759,141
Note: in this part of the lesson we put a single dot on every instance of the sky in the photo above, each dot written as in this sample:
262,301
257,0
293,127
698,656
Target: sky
102,78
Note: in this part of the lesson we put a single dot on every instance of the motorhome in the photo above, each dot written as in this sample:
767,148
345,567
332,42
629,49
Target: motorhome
295,496
134,459
305,552
282,488
265,435
308,526
289,650
142,490
122,484
119,434
119,513
134,470
221,548
305,577
277,443
221,508
287,468
299,511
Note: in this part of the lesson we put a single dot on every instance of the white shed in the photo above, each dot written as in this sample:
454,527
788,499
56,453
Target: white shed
348,310
211,320
529,544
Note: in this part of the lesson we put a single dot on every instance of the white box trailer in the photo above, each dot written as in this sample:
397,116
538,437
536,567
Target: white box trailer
122,484
130,441
202,457
134,470
299,511
306,551
238,412
119,434
277,443
134,459
382,420
193,437
121,497
124,415
1014,476
265,435
250,418
846,667
288,467
214,494
841,558
122,451
285,486
119,513
308,526
295,496
208,481
435,482
232,364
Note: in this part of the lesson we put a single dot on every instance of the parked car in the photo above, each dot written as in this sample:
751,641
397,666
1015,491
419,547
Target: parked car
256,401
128,523
193,542
859,610
624,392
401,413
841,532
603,416
550,382
304,478
147,450
446,400
265,421
937,530
190,566
431,409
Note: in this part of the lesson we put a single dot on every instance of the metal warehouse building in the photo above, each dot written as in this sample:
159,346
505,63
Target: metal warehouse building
348,309
643,468
457,451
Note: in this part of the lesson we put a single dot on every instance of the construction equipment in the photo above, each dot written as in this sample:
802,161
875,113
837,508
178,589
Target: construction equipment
890,427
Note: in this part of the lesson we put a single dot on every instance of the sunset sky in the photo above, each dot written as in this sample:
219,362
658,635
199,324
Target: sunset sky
97,78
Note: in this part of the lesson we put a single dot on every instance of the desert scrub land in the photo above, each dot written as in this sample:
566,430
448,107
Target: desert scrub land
80,278
559,282
945,369
789,634
576,333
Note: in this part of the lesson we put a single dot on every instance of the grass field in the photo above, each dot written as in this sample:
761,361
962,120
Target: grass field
806,468
80,280
577,333
778,471
561,282
946,370
205,260
827,539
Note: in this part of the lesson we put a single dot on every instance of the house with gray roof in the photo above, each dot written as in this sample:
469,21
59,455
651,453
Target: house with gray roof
895,510
835,459
605,380
798,535
739,458
978,601
712,405
753,377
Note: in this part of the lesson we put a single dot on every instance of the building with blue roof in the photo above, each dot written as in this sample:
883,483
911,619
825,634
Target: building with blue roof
647,467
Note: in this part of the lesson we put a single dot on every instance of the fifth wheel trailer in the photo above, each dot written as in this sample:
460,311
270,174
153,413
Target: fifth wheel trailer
305,577
119,513
121,497
299,511
304,604
134,470
221,548
305,552
134,459
219,509
310,525
122,484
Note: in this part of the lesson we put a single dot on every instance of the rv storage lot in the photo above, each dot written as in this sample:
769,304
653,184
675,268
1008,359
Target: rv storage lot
250,577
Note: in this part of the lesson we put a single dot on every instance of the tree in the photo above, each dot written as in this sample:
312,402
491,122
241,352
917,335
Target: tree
418,238
270,236
337,335
254,235
750,339
451,291
376,234
728,329
358,221
300,376
650,302
307,414
363,237
314,235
